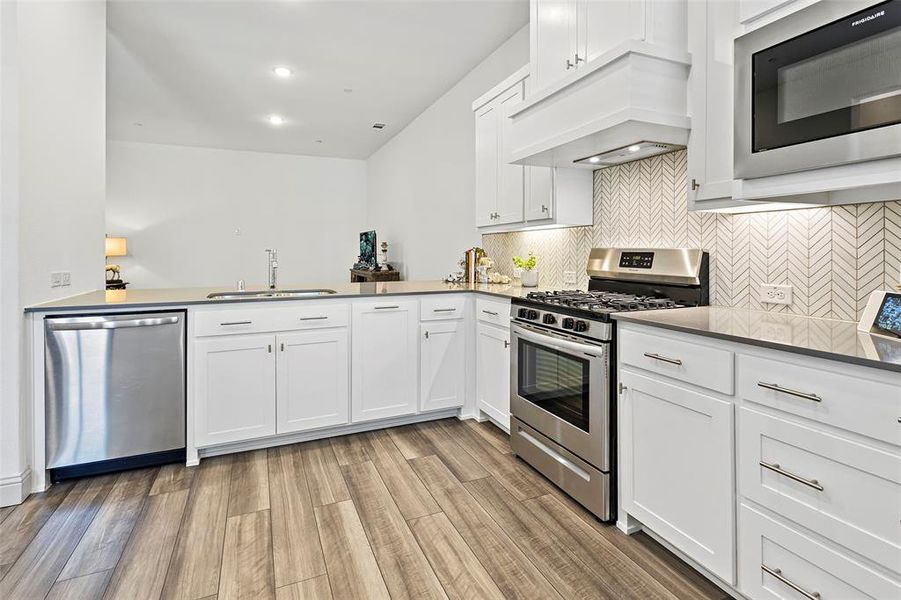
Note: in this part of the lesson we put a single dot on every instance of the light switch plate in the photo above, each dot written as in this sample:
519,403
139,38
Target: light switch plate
775,294
56,279
65,279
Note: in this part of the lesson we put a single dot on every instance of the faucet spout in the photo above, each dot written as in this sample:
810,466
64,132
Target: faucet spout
273,268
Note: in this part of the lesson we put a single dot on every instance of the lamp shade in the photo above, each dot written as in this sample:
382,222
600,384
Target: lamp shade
116,246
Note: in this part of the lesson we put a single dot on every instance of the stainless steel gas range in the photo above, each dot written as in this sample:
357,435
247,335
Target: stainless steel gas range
562,388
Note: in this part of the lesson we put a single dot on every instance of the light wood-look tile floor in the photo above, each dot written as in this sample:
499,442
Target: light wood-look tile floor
434,510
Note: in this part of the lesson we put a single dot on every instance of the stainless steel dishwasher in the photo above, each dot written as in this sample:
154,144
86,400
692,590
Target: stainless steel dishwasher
115,392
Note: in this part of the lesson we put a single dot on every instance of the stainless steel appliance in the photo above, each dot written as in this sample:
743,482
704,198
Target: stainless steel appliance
115,391
820,87
563,378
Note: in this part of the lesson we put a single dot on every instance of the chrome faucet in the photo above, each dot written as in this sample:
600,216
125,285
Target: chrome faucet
273,268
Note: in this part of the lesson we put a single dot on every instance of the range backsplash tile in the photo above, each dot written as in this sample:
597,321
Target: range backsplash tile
833,257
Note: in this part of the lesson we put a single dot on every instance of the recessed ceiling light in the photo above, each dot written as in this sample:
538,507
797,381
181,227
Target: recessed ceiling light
276,120
283,72
635,148
594,159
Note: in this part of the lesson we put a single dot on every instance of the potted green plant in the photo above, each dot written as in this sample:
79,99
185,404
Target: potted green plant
529,275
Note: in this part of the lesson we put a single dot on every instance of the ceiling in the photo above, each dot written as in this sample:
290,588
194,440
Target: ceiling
199,73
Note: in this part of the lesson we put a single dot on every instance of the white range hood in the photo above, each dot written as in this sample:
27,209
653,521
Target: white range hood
630,103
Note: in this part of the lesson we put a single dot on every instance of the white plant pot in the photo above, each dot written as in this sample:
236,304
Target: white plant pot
529,278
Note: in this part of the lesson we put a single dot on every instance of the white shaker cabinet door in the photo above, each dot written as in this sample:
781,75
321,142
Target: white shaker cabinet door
493,372
552,29
234,379
313,380
677,468
442,371
385,359
487,160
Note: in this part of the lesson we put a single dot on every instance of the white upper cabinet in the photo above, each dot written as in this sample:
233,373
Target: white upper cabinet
385,359
711,28
552,33
510,196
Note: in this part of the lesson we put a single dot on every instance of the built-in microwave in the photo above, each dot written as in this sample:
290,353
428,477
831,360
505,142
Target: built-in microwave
820,87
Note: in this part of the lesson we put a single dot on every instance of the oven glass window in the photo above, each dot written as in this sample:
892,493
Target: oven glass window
839,79
554,381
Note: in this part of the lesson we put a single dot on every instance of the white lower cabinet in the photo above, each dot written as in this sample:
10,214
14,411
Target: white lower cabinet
234,388
493,372
677,460
442,369
778,561
385,359
312,379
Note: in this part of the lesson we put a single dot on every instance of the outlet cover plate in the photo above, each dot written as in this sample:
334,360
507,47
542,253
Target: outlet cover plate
775,294
569,278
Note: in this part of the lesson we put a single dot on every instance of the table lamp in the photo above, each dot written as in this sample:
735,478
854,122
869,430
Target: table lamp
115,246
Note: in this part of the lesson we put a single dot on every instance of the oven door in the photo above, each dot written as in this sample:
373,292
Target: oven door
560,387
818,88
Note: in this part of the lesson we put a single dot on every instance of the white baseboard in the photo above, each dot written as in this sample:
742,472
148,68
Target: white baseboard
15,488
307,436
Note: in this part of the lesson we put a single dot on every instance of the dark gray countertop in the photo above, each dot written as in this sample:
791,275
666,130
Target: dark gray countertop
823,338
162,297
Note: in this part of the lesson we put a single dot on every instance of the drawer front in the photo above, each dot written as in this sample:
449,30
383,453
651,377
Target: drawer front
492,311
269,318
846,491
701,365
775,561
864,406
442,306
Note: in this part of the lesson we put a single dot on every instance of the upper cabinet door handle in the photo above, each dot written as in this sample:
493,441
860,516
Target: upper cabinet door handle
578,59
789,392
569,65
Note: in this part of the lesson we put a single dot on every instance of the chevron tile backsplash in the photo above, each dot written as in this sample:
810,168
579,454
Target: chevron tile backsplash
833,257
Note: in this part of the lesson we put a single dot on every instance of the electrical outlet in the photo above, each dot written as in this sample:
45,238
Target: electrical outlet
65,279
569,278
56,279
775,294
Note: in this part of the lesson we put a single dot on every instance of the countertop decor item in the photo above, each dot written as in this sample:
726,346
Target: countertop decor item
368,248
368,275
115,246
529,275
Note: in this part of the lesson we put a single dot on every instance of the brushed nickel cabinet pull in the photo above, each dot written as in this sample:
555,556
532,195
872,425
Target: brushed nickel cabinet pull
444,310
775,468
269,348
387,307
569,64
790,392
490,312
777,573
426,335
313,318
579,59
506,343
695,186
227,323
283,346
672,361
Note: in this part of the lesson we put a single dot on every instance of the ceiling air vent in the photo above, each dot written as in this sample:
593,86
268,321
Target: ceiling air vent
378,125
636,151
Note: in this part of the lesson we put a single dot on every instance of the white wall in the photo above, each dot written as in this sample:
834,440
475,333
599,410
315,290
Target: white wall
180,208
421,184
52,130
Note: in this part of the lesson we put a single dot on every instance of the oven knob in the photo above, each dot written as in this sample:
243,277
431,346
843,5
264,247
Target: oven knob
549,319
580,326
523,313
568,323
532,315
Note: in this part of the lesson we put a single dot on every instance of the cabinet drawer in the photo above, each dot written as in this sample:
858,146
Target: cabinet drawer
775,561
269,318
844,490
864,406
691,362
442,306
493,311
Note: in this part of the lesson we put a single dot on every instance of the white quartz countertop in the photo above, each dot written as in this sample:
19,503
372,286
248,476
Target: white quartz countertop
825,338
163,297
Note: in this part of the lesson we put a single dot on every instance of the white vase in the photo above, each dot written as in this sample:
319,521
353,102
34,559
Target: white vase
529,278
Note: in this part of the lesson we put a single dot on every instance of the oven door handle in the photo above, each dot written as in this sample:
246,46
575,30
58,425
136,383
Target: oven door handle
527,333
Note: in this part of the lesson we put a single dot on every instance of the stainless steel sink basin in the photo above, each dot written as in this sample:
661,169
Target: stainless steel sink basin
269,294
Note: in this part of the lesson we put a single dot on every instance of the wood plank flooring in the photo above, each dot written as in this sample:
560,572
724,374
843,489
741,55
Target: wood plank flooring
433,510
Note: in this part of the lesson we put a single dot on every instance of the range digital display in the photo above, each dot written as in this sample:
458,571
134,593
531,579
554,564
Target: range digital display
636,260
888,319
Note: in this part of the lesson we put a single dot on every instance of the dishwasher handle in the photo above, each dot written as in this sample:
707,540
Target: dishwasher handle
105,323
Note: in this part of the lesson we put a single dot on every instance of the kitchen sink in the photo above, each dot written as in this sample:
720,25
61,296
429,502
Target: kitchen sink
269,294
